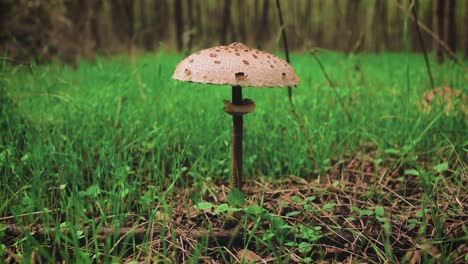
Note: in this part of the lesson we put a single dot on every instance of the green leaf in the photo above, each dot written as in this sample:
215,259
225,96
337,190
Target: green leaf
304,247
440,167
221,208
291,244
236,197
328,206
309,207
293,213
311,234
296,199
392,151
92,191
379,211
268,236
253,210
362,212
204,206
2,249
412,223
381,219
276,222
412,172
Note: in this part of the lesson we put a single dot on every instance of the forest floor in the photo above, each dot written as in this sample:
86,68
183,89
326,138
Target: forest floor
113,163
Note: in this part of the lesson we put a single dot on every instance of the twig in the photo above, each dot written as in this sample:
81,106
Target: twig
10,60
421,41
135,71
290,95
310,148
26,214
221,236
285,44
332,85
435,37
117,113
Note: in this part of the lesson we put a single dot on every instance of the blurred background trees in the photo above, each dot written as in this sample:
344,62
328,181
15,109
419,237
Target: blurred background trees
64,30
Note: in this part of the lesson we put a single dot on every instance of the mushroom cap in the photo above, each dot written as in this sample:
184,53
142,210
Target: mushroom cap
236,64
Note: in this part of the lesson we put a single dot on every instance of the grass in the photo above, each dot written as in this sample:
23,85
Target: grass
82,152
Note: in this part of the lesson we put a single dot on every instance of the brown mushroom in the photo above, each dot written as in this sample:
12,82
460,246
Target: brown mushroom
236,65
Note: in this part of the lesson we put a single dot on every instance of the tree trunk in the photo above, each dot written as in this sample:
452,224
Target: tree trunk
336,41
226,22
78,40
96,24
159,21
450,29
262,27
145,28
385,24
179,23
376,26
426,18
241,29
319,24
438,19
122,20
352,24
191,25
413,36
465,19
129,8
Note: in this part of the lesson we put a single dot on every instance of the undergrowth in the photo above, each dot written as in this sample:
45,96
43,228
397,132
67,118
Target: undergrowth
92,171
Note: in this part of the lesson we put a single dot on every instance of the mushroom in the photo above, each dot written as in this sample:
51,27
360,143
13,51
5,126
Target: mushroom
236,65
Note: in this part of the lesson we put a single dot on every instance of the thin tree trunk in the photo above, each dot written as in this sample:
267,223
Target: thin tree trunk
191,25
465,19
384,24
450,25
352,24
179,23
95,24
121,25
199,15
438,18
426,10
413,36
319,24
241,10
226,22
129,8
376,26
262,27
145,28
159,21
421,42
337,40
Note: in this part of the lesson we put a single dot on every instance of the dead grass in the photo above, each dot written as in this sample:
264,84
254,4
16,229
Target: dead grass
362,213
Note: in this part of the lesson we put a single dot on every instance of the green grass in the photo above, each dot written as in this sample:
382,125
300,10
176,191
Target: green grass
80,147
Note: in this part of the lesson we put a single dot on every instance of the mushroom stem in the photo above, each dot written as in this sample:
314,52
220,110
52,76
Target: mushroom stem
237,122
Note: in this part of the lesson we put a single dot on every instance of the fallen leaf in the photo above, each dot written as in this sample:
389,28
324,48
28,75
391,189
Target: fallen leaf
430,249
161,216
248,256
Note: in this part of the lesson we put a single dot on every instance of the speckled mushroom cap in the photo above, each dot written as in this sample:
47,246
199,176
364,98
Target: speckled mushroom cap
236,64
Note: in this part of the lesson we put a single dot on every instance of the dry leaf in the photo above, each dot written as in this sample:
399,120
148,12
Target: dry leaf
161,216
416,258
248,256
430,249
447,97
